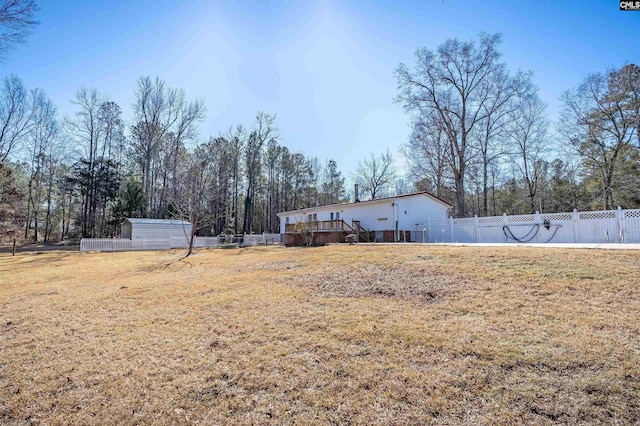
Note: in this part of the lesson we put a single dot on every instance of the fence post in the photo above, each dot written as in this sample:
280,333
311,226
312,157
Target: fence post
475,228
504,223
429,227
574,224
620,223
538,220
451,227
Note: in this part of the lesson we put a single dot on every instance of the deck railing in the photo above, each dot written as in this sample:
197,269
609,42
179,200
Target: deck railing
321,226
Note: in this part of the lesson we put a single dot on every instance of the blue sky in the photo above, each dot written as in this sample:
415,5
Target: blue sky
325,68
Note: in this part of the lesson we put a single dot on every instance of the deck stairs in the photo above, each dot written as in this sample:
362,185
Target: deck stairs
361,232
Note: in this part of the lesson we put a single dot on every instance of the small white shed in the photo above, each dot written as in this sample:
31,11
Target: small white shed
154,229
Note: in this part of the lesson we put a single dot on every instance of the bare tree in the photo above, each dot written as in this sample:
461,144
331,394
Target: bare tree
499,107
55,155
43,134
600,120
452,82
85,129
332,188
111,157
192,201
11,217
264,129
237,142
273,160
427,153
156,110
184,128
110,118
16,115
375,174
16,22
527,130
305,229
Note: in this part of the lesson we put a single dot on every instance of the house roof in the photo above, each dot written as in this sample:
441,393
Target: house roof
377,200
145,221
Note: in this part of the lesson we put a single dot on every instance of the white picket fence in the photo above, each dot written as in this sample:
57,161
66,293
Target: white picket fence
605,226
261,239
119,244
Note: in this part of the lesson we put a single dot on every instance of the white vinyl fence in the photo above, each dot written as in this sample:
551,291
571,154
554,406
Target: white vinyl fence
606,226
119,244
260,239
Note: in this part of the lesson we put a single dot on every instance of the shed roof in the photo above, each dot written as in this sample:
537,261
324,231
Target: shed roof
377,200
145,221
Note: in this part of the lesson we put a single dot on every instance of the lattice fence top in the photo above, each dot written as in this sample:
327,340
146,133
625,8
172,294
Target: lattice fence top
557,216
632,214
464,221
532,218
490,220
606,214
521,218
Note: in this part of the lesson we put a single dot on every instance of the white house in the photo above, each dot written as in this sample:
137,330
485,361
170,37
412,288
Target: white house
154,229
399,218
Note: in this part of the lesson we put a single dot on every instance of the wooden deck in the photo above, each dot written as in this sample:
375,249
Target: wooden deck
327,231
322,226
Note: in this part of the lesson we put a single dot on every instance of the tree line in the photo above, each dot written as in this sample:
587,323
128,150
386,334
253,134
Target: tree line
82,175
480,139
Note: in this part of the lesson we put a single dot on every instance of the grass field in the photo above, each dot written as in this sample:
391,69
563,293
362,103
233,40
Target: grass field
333,335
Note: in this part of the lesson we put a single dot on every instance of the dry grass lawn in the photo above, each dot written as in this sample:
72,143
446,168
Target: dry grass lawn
333,335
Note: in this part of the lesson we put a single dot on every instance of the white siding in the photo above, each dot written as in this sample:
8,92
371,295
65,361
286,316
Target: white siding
150,229
159,231
415,212
368,214
126,230
372,216
379,215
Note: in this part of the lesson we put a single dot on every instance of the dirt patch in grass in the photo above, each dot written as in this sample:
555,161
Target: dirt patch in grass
333,335
371,280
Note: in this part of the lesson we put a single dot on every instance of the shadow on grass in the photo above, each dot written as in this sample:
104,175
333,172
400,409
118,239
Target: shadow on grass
35,258
38,249
182,260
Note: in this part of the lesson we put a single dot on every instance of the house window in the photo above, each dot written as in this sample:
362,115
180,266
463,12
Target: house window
286,220
309,217
315,217
331,216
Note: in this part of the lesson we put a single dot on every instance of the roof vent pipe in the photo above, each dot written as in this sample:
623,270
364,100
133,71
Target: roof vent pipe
355,187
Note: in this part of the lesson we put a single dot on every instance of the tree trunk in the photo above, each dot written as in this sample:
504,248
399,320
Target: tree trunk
62,230
248,203
147,184
532,197
28,221
191,239
608,190
47,220
235,198
35,223
459,181
485,187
